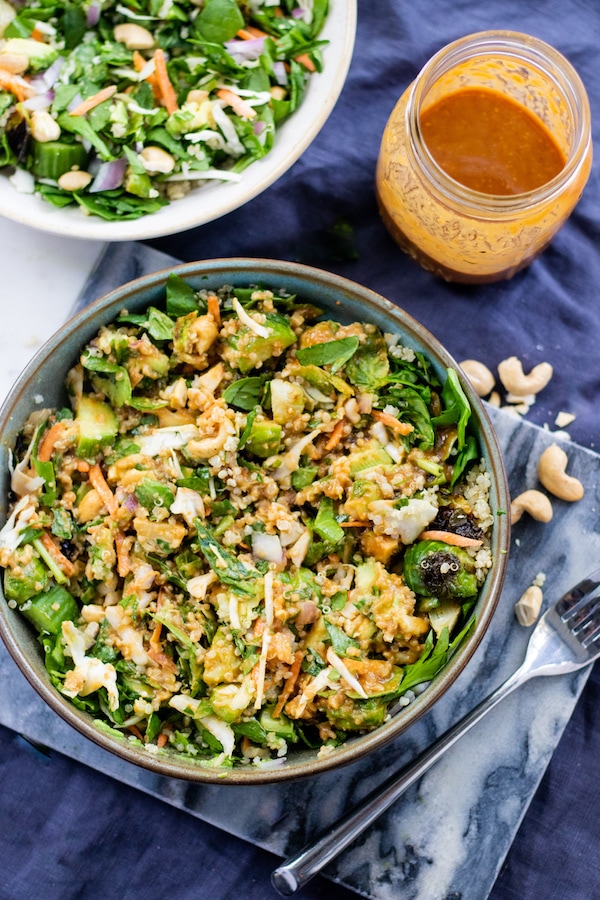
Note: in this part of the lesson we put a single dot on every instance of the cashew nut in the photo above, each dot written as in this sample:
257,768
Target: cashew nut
205,448
15,63
74,181
494,399
156,160
516,382
552,474
215,428
533,502
479,375
197,96
527,608
44,127
135,37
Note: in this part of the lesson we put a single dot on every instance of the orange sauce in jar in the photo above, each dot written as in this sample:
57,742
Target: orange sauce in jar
484,156
490,143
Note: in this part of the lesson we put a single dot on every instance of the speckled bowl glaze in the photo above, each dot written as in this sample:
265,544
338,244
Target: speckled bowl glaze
41,385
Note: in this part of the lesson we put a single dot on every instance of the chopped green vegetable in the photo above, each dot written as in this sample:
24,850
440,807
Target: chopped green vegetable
222,546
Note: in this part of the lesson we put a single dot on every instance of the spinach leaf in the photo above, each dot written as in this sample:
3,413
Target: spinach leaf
219,21
118,204
340,641
468,455
434,657
151,493
227,567
245,435
414,410
73,25
245,393
456,407
334,353
181,297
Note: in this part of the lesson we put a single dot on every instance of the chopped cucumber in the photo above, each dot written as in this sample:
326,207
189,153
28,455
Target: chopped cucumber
98,425
53,158
49,610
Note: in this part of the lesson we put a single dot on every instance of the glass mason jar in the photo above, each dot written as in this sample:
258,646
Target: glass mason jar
462,234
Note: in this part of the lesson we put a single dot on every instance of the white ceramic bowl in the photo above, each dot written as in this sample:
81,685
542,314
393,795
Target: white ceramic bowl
215,199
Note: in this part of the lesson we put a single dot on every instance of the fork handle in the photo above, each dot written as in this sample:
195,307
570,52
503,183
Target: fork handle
297,870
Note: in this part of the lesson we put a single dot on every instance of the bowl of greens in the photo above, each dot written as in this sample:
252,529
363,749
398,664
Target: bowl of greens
252,521
135,120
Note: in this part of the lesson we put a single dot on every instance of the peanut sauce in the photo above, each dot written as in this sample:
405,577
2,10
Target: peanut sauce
490,143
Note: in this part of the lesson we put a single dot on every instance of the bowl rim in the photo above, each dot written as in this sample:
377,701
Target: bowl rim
322,92
240,270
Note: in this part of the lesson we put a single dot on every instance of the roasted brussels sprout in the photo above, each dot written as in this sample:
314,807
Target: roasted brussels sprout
432,568
451,518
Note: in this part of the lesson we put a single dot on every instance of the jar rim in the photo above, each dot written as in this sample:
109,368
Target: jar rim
525,48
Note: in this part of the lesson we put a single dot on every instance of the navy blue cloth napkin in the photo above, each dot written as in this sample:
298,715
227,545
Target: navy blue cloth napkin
69,833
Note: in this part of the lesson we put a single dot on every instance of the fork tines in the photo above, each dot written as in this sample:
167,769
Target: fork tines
580,611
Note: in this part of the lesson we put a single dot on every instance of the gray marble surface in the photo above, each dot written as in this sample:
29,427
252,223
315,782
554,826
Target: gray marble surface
447,837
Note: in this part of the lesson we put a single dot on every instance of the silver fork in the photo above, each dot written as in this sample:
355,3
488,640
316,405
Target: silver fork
566,638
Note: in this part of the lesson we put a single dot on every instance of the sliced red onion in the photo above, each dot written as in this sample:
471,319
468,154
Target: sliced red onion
52,73
298,13
280,73
244,50
39,101
77,99
93,13
259,127
267,547
110,176
131,503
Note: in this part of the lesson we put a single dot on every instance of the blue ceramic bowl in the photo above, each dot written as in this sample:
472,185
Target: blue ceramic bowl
41,385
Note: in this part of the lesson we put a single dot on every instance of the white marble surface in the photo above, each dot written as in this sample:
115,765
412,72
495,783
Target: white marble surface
41,279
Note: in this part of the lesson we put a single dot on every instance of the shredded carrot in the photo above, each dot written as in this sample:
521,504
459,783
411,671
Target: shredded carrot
36,35
355,523
83,466
169,97
122,546
239,106
15,85
162,739
214,308
95,100
155,637
250,33
450,537
98,481
161,659
64,564
289,684
390,422
139,63
48,442
136,731
305,60
336,435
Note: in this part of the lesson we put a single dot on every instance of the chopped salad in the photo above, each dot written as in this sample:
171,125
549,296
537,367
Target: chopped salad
122,107
250,528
